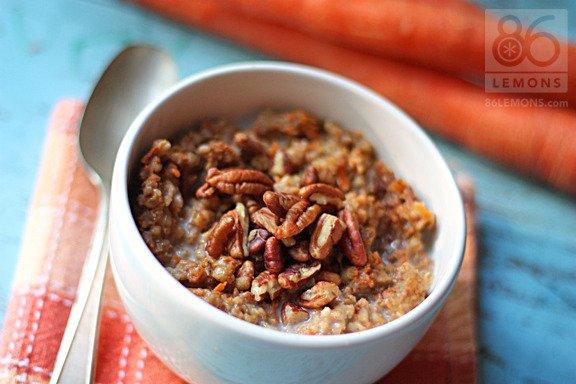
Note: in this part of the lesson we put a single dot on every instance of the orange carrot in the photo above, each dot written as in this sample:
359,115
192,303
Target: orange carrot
465,4
537,141
443,34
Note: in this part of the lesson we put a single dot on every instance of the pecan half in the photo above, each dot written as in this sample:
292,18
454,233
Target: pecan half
245,275
257,240
328,231
296,275
293,313
238,247
279,202
273,259
310,176
266,219
320,295
265,283
238,181
323,194
220,233
298,217
351,242
299,252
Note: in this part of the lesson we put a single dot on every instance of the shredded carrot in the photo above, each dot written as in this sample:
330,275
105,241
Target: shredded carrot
220,287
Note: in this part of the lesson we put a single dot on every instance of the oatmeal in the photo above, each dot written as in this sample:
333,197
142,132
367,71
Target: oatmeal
292,223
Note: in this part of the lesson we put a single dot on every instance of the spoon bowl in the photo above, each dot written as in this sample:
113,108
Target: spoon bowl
134,78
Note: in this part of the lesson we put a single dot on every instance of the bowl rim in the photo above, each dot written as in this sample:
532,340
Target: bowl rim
121,216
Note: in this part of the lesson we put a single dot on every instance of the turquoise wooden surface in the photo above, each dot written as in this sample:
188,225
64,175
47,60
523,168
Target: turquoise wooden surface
54,49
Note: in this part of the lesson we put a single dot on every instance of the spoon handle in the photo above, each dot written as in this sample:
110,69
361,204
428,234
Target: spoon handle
75,361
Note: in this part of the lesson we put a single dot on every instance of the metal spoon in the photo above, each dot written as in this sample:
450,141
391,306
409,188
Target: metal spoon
134,78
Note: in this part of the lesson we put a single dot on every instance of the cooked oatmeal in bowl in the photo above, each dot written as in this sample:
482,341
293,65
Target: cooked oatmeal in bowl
292,223
284,247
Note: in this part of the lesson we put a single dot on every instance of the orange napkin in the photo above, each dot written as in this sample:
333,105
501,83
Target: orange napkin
56,240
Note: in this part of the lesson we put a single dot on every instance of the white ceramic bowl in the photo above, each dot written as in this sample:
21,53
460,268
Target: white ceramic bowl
205,345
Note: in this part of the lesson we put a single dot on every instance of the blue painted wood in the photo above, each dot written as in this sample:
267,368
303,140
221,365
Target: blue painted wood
52,49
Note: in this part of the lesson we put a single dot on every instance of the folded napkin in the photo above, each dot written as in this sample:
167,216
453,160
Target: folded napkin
57,236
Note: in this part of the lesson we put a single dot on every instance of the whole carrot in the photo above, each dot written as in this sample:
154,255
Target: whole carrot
443,34
537,141
447,35
464,4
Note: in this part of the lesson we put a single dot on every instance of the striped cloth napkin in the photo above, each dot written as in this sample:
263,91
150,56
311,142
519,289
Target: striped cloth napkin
60,223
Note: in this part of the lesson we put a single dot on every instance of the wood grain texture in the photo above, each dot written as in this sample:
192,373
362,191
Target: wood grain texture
527,264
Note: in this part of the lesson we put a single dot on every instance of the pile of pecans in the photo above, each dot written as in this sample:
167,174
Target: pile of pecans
292,234
292,223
